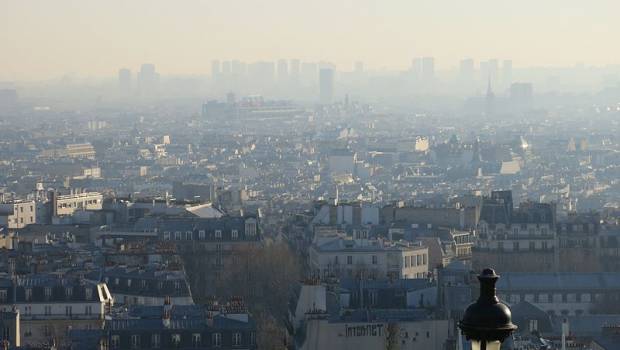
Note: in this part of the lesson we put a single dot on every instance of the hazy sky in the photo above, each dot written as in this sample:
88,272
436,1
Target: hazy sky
41,39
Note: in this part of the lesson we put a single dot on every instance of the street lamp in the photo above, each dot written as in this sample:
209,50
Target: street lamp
487,322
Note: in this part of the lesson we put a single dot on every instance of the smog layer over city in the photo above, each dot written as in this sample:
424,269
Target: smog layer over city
309,175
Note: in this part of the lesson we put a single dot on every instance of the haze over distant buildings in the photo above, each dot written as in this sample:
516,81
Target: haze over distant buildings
184,38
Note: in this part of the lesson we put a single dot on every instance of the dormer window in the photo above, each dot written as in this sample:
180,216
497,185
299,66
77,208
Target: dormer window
218,234
201,234
250,227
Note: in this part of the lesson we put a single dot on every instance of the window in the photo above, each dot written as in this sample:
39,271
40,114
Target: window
216,339
235,234
88,293
177,236
515,246
176,339
250,227
515,230
374,260
218,234
135,341
68,310
116,341
543,298
166,236
252,338
28,310
129,282
3,295
47,330
543,231
188,236
201,234
88,310
155,341
424,259
349,260
585,298
532,245
236,339
336,260
47,310
196,340
177,284
69,292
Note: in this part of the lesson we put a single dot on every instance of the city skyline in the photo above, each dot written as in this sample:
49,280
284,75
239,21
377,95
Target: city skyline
40,41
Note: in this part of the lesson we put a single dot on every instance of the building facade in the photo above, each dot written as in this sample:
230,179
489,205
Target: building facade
340,256
49,306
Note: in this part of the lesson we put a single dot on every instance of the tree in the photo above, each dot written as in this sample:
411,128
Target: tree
264,276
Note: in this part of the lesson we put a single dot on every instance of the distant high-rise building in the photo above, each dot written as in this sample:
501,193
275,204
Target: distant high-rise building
507,72
295,71
283,73
124,80
428,68
226,68
326,85
238,68
216,69
148,79
416,66
488,71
